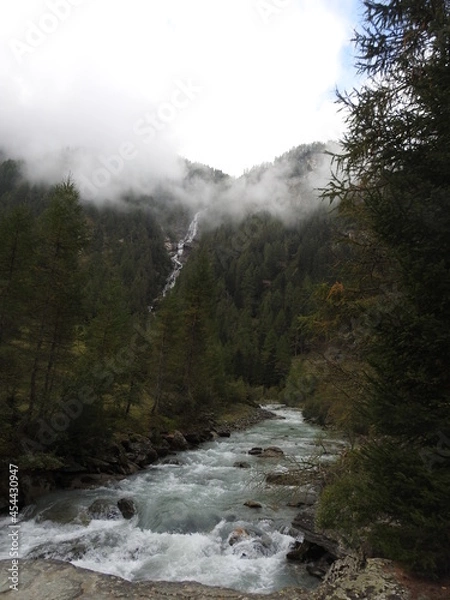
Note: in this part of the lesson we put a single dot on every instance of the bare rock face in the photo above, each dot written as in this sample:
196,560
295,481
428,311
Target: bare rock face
55,580
348,580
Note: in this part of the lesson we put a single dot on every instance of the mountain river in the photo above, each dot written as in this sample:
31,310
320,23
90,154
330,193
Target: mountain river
187,515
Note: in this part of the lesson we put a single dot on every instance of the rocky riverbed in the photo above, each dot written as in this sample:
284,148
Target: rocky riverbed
123,457
53,580
345,578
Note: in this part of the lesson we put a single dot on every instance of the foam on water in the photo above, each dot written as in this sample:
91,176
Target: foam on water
186,517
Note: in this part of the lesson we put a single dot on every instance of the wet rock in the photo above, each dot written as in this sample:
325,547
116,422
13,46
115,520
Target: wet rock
309,552
139,450
179,441
176,441
55,580
71,550
291,531
132,468
87,480
195,438
97,465
241,465
272,452
252,504
318,570
104,509
237,535
223,433
256,451
162,449
305,522
294,555
127,507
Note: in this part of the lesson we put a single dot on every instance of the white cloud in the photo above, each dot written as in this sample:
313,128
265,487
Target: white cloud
83,73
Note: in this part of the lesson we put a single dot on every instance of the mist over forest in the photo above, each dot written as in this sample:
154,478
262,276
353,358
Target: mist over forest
143,293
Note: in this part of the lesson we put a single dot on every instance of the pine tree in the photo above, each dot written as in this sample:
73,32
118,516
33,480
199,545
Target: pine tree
394,169
58,293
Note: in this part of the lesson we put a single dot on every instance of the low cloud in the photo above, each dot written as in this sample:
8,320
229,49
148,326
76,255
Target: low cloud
113,93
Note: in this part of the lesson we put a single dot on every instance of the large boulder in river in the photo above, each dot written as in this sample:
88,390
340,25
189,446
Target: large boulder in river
252,504
255,451
104,509
305,522
127,507
270,452
237,535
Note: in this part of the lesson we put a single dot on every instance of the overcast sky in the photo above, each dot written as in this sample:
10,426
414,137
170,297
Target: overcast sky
229,83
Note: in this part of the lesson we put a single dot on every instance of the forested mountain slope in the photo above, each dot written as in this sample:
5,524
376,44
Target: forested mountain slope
78,281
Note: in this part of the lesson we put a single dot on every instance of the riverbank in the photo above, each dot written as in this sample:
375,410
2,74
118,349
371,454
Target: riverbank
128,454
134,546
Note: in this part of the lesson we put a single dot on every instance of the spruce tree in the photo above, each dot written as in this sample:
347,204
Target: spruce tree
57,294
394,168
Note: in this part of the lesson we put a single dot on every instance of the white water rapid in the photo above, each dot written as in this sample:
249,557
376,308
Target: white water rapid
186,514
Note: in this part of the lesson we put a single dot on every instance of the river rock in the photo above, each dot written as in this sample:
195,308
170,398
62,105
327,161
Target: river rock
127,507
71,550
237,535
162,448
272,452
241,465
252,504
176,441
256,451
318,559
305,522
104,509
223,432
139,450
195,438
